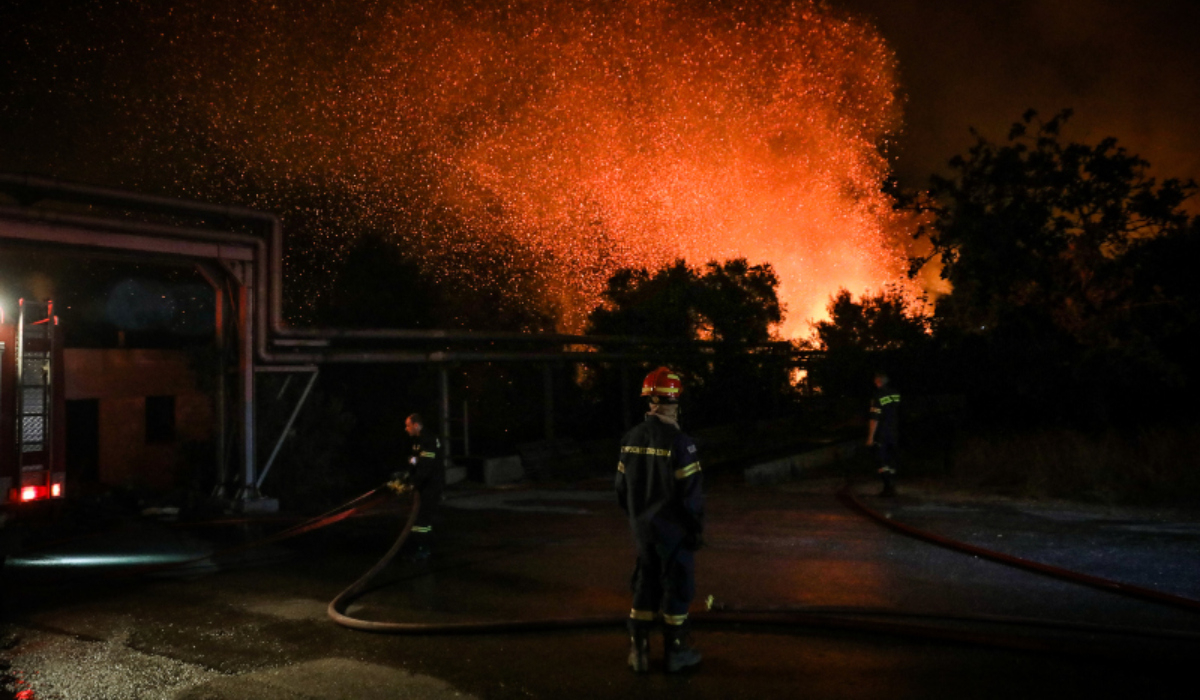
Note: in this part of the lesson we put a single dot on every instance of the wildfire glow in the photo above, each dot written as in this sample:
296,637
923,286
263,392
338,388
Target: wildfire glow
565,140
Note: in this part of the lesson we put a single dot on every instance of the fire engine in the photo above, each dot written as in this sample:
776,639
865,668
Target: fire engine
32,407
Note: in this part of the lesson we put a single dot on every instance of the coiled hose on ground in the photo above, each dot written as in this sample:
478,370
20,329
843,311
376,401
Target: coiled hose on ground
848,619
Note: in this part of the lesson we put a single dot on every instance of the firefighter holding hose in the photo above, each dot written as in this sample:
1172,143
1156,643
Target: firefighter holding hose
425,473
659,486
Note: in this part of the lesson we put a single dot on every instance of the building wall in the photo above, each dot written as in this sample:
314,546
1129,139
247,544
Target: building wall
121,380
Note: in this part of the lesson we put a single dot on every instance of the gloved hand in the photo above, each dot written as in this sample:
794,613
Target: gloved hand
694,541
399,487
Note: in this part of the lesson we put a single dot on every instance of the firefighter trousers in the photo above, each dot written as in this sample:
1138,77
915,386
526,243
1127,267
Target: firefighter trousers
888,456
664,579
422,530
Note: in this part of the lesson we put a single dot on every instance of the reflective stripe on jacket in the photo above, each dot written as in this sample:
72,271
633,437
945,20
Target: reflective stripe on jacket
659,481
885,408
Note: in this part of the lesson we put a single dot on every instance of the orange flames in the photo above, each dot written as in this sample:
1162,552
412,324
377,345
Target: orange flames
571,140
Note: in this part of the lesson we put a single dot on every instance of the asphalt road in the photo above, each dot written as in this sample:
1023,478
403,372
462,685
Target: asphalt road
255,627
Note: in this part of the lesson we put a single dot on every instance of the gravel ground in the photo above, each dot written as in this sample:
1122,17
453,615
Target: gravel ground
46,665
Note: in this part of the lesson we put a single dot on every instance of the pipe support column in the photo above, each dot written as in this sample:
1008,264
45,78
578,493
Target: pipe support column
444,373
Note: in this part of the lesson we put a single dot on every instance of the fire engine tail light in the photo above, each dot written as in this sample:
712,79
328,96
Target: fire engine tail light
37,493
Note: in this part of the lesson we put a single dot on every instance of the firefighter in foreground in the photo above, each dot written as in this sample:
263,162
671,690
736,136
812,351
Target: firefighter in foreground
659,487
426,473
883,431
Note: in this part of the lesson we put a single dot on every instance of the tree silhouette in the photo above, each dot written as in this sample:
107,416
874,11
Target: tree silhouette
1038,231
1056,252
889,320
888,330
732,303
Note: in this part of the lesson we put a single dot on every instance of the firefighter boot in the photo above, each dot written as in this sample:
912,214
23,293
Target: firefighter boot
680,653
889,485
639,646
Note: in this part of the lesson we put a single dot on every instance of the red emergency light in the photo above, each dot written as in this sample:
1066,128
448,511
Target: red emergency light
37,493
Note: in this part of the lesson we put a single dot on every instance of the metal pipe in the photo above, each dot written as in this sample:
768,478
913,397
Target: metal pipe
219,341
301,342
497,336
246,369
218,246
548,401
95,194
445,384
466,438
283,369
433,357
260,256
269,254
283,389
262,285
126,235
269,283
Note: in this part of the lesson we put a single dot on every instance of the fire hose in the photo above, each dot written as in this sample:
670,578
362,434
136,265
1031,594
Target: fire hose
337,606
1126,589
722,613
367,500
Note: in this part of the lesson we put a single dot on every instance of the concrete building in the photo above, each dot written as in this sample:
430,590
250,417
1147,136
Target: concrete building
132,415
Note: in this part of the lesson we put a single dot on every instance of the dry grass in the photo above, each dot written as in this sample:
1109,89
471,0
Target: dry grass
1152,466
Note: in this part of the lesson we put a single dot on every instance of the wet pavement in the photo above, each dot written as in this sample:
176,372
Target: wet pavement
256,627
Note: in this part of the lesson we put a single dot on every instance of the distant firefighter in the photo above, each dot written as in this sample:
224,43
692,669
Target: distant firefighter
883,431
659,486
426,473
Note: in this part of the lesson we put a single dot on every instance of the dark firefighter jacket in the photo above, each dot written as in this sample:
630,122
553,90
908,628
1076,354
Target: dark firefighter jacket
425,471
659,483
885,408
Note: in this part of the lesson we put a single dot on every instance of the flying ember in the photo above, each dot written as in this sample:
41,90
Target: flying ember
556,142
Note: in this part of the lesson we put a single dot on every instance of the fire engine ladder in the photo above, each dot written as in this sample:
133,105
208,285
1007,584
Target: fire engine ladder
35,346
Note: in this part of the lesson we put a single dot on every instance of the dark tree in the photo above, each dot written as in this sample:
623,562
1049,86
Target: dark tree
889,320
1163,315
888,330
658,305
1054,251
1036,231
737,302
733,303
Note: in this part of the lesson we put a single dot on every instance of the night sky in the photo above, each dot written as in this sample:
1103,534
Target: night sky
1128,69
351,117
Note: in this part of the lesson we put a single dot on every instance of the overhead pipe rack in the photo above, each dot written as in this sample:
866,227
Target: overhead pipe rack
247,245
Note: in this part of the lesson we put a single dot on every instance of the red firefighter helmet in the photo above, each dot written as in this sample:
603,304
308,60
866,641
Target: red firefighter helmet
662,386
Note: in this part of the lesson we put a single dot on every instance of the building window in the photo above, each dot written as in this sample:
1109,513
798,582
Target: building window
160,419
